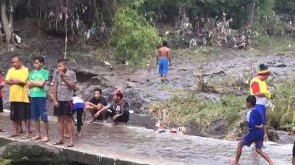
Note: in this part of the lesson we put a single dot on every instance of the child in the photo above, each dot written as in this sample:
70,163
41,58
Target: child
78,106
255,134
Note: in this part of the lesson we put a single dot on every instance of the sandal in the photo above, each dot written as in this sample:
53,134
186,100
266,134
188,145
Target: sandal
45,139
58,143
25,137
36,138
70,144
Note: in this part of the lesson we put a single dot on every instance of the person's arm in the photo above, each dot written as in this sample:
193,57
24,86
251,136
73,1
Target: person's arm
54,89
158,56
70,83
104,108
169,57
37,83
2,84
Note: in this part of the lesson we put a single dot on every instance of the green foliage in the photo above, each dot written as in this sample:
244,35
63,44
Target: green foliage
267,21
276,44
193,110
132,36
285,6
283,100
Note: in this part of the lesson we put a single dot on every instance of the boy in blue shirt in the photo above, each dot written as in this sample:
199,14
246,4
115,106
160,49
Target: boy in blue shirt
255,134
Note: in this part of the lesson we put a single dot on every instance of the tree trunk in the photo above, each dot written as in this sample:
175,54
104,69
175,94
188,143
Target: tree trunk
253,9
5,22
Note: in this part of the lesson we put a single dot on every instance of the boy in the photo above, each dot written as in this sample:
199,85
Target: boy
95,104
64,84
256,132
36,83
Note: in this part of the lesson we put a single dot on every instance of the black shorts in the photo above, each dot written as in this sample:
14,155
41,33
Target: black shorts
1,105
65,108
20,111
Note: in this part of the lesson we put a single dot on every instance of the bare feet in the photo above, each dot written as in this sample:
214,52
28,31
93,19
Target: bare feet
45,139
233,161
37,137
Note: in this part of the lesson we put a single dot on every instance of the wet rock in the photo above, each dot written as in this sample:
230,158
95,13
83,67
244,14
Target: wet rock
273,135
218,127
285,137
32,153
130,85
281,66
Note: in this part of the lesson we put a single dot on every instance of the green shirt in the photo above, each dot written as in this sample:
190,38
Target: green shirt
38,75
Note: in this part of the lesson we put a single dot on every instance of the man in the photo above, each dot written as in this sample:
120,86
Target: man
164,60
64,83
118,109
37,80
95,104
258,87
17,77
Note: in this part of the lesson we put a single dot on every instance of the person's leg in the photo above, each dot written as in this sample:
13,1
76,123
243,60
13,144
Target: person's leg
44,118
69,124
35,115
264,155
27,118
258,146
238,154
60,127
165,68
79,119
1,105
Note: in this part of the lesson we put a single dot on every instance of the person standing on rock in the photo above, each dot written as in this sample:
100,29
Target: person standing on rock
164,60
64,84
36,83
258,87
17,77
255,134
118,110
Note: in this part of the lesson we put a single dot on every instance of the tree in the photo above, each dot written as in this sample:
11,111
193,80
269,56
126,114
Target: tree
131,35
7,9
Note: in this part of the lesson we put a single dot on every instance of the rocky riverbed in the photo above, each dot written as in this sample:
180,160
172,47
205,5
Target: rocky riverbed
219,71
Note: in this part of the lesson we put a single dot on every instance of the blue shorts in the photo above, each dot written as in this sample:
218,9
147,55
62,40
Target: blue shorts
254,137
163,66
262,110
38,108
